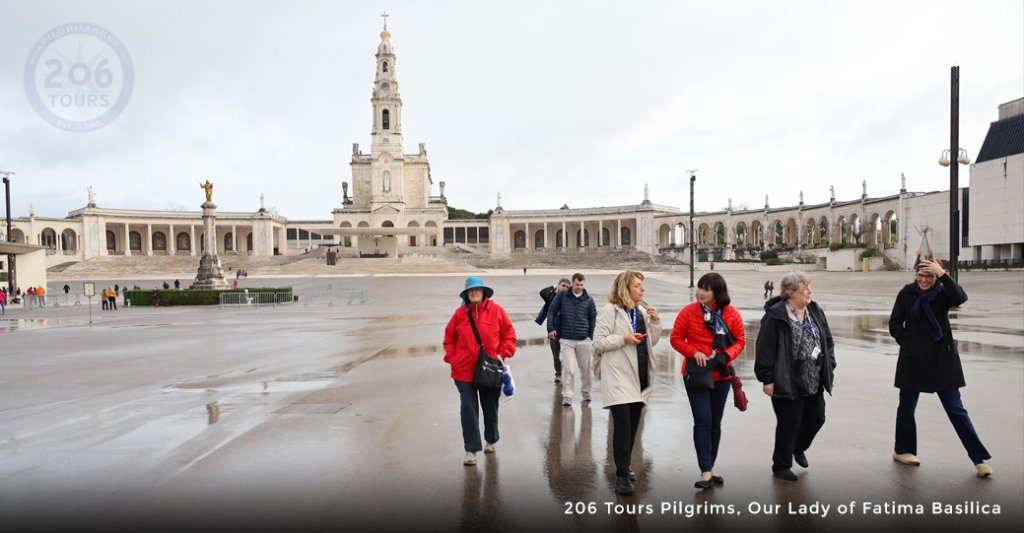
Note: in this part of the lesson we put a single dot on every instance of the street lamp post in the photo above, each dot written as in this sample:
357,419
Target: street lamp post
693,244
10,258
954,171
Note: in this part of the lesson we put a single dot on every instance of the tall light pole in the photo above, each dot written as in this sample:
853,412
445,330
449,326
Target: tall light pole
10,258
693,244
954,171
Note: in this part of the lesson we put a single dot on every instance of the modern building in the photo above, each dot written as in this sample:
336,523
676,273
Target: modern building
994,231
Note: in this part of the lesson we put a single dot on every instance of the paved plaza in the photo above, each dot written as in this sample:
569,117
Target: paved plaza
336,413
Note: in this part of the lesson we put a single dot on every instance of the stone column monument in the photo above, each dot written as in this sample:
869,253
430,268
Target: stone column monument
210,274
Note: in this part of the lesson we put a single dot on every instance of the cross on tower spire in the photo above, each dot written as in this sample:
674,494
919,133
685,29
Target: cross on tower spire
385,17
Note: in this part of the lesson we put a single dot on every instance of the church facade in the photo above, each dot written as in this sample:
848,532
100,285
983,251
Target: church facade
394,208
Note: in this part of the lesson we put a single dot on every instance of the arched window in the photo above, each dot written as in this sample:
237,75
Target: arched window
183,242
159,241
624,237
519,240
384,66
387,179
385,119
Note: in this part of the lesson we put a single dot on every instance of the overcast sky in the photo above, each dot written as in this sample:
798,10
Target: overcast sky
546,102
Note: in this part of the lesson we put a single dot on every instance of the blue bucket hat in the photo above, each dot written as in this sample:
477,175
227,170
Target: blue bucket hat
472,283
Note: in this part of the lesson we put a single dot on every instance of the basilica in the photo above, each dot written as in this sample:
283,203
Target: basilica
394,208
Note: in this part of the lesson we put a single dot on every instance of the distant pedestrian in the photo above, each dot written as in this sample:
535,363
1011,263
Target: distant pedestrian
548,294
3,302
104,299
41,294
67,288
177,284
112,298
712,265
156,297
167,285
117,290
767,286
929,361
234,284
571,320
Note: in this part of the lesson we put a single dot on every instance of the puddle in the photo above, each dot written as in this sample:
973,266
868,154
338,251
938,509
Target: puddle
27,324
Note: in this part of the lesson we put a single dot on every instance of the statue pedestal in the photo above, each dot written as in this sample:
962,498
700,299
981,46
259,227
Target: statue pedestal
209,275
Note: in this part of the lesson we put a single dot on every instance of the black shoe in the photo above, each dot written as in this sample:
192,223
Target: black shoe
558,379
785,474
632,475
800,459
704,484
717,480
623,485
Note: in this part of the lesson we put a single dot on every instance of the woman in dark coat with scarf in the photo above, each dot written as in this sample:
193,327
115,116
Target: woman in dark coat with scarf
929,361
795,360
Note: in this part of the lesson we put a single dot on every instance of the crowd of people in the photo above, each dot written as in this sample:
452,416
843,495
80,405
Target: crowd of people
794,360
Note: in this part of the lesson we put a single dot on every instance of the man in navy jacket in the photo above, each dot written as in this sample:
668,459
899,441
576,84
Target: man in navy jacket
572,316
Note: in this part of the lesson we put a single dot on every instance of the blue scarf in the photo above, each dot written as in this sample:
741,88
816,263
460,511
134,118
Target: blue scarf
924,302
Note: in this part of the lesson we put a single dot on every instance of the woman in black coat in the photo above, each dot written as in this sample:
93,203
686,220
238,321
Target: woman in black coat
795,361
929,361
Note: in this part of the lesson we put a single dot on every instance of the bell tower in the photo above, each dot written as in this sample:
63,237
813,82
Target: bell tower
386,135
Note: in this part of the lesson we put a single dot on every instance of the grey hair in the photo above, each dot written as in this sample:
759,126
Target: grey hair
792,282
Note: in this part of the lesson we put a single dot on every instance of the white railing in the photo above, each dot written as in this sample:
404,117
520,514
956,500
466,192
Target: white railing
254,299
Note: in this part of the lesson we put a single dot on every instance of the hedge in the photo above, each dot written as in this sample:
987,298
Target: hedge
198,297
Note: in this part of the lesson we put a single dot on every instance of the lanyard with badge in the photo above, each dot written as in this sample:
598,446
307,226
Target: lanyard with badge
807,325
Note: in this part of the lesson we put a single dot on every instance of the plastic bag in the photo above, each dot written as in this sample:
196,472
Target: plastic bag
508,383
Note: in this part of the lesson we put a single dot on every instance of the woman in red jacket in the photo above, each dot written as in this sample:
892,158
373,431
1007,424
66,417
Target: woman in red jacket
461,352
709,332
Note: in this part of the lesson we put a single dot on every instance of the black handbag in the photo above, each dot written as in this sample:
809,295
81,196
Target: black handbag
699,378
489,370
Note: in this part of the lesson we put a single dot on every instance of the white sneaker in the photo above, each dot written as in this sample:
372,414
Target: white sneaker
906,458
490,447
566,400
470,459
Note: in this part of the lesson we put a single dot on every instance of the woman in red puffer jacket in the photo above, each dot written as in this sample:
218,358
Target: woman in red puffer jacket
709,332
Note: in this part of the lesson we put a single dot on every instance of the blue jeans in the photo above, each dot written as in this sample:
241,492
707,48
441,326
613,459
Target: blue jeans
472,399
906,426
708,407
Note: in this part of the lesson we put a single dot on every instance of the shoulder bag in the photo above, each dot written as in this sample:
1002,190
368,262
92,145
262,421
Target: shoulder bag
698,377
489,370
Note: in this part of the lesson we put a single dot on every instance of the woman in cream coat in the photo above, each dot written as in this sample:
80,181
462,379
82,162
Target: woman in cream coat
624,340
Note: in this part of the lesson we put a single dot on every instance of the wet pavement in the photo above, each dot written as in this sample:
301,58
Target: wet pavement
330,413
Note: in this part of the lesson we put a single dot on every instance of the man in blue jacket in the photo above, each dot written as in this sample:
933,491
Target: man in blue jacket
572,316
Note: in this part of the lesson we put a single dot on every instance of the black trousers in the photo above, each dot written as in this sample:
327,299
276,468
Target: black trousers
797,422
556,353
625,421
